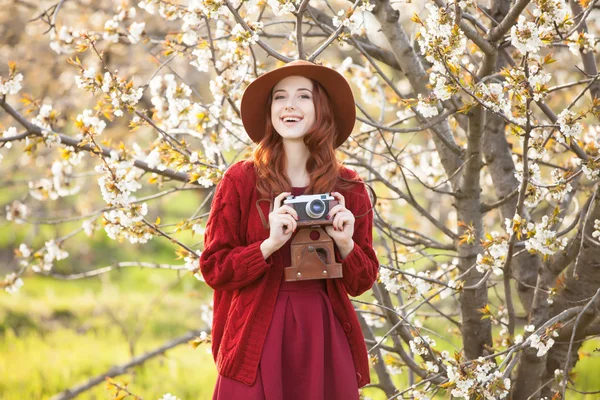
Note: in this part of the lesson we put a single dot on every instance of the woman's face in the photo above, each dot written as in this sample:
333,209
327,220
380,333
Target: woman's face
292,108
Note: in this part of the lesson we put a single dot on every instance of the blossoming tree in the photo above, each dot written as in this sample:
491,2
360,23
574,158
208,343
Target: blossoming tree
477,123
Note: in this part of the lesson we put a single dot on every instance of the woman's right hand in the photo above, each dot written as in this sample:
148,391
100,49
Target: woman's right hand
282,222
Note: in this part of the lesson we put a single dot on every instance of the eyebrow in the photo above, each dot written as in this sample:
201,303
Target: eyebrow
281,90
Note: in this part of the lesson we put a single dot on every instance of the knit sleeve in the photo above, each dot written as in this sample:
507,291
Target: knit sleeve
226,263
360,267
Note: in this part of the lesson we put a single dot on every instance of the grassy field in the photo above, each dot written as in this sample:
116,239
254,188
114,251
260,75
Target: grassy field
56,334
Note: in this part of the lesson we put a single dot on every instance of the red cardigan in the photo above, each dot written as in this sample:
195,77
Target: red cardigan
246,285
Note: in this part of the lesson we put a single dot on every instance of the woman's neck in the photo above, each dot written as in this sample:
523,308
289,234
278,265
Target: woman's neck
297,155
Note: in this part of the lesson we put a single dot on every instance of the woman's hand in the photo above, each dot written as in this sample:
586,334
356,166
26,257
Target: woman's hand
342,228
282,222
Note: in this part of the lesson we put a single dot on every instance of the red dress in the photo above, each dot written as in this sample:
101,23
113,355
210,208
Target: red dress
306,354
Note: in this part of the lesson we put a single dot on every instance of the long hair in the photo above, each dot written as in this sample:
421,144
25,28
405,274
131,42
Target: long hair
322,166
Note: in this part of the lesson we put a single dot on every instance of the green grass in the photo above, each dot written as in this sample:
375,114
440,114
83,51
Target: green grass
57,334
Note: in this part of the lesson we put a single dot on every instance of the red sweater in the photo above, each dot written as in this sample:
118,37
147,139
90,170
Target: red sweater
246,285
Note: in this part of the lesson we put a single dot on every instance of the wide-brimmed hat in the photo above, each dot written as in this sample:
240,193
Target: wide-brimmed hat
254,100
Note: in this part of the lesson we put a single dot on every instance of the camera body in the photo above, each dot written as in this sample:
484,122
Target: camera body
312,209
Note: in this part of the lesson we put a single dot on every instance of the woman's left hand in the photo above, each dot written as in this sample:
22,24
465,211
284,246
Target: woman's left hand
342,229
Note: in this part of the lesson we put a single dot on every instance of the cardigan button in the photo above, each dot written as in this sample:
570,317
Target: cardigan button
347,327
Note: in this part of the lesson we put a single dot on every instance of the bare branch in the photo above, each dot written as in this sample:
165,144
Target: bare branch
123,368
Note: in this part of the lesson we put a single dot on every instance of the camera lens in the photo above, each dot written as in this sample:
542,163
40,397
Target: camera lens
315,209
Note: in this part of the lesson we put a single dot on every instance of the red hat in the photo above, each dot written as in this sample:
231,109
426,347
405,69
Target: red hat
255,97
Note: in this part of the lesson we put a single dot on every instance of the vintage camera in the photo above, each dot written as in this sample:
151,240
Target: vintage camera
312,209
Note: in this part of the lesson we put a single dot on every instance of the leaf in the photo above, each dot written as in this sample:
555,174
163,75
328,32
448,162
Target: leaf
83,142
415,18
485,310
465,108
557,396
193,177
548,59
81,47
12,67
194,343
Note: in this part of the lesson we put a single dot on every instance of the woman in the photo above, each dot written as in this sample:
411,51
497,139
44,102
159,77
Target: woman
273,339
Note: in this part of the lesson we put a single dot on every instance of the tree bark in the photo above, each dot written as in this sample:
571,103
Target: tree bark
475,331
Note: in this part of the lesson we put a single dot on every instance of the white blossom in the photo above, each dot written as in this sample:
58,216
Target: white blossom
495,98
596,232
538,79
53,253
12,284
10,132
71,156
478,379
117,185
192,265
437,32
62,179
431,367
64,42
441,88
88,227
355,23
414,284
493,256
17,212
418,395
24,250
518,339
390,279
542,345
135,31
169,396
282,7
203,56
544,240
375,321
211,9
111,33
190,37
419,344
525,36
148,5
591,173
426,109
568,126
94,125
206,313
199,229
581,42
11,86
42,119
244,37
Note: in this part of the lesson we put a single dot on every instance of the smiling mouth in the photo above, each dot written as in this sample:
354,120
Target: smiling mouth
291,119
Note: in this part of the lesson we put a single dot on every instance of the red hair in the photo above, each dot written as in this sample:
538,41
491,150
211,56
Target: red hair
322,166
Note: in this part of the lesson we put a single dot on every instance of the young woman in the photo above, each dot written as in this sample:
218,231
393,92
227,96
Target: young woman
274,339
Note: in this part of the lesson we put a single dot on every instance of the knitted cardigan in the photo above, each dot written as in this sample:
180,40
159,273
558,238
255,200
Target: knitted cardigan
246,285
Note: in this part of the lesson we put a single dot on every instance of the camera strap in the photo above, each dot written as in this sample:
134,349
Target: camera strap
260,212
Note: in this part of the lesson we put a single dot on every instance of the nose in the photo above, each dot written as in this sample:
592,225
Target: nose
290,103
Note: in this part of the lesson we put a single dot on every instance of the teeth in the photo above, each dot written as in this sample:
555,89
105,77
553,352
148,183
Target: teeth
290,119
